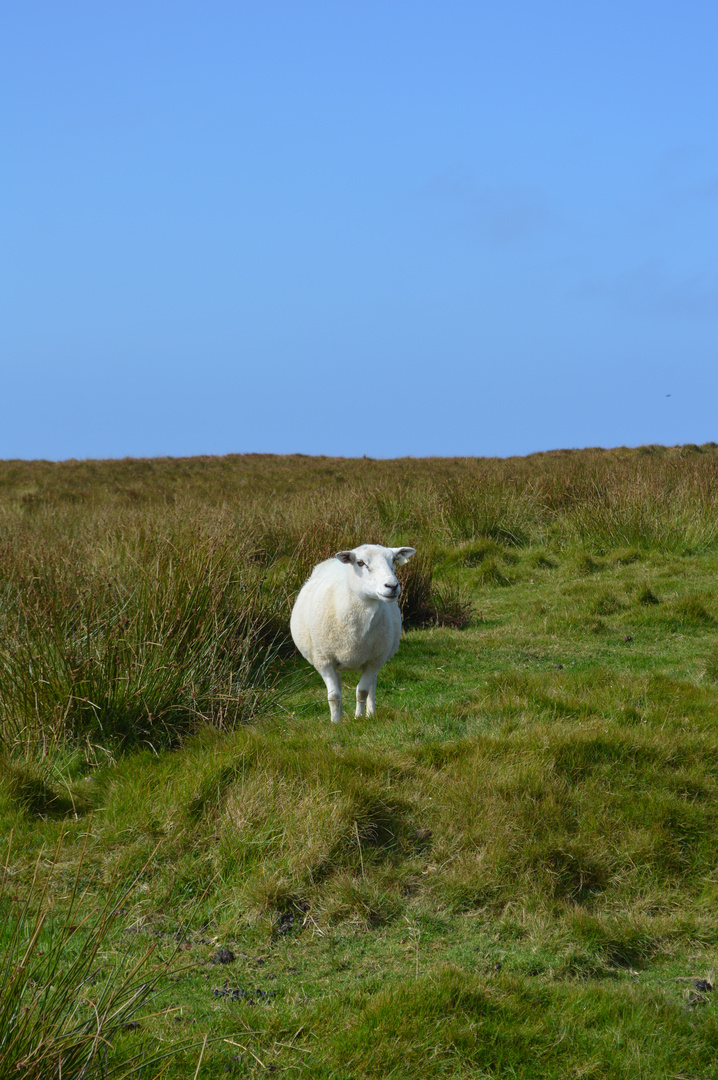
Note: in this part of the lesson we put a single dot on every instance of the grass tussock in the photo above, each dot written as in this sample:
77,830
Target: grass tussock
136,642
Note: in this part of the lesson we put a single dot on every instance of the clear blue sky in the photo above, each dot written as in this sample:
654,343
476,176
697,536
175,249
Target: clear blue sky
383,227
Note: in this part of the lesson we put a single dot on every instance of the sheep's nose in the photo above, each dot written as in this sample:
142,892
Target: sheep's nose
391,586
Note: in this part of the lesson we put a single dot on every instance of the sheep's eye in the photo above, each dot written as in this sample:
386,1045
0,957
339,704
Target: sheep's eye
360,563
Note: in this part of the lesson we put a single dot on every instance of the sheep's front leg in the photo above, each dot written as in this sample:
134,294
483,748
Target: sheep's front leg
333,681
366,692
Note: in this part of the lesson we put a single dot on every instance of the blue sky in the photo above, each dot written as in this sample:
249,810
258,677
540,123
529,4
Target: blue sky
378,228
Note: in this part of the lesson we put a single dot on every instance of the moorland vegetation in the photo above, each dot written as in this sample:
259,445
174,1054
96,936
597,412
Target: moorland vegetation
512,871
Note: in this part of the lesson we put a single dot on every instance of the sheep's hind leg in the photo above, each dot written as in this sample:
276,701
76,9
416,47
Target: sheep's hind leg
366,693
333,681
372,695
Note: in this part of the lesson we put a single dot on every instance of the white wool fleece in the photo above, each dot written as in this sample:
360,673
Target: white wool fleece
346,617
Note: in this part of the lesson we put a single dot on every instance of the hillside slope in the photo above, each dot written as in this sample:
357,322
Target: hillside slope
511,871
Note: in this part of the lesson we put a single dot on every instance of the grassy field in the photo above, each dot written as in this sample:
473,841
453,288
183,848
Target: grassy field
512,871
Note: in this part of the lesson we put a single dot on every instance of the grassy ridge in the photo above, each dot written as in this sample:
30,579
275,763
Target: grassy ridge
504,874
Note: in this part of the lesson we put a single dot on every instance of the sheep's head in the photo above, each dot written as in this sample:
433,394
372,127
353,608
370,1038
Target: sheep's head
372,570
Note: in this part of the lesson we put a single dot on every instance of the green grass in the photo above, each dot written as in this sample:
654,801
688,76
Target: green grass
510,872
67,997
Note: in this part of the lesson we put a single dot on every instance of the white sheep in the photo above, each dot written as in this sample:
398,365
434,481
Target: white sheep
346,618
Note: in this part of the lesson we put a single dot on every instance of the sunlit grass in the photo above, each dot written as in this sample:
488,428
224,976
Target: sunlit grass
504,874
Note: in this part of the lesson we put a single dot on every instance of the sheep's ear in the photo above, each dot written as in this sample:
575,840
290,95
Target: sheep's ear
346,556
402,555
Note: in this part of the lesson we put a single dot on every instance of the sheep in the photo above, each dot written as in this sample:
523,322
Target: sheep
346,618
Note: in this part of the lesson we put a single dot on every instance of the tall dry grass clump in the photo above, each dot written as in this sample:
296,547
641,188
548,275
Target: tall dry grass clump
125,628
653,498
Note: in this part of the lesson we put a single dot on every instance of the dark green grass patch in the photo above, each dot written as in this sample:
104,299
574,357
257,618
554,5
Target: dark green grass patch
647,596
34,787
689,612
